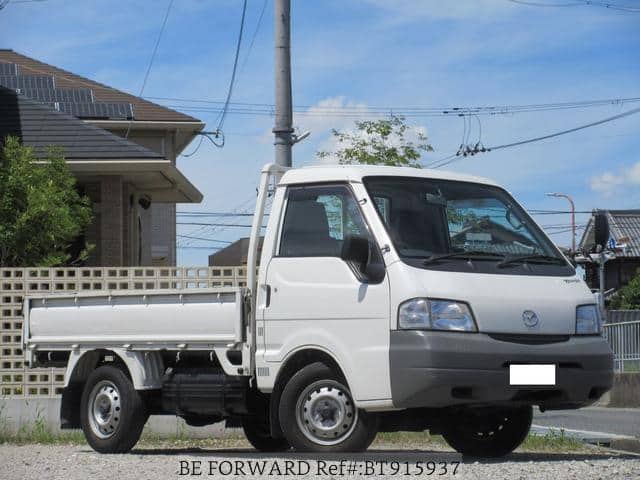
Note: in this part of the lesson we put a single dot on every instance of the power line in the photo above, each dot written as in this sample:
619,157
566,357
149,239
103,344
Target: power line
4,3
538,4
266,109
153,57
253,37
459,156
210,230
213,214
204,238
217,224
579,3
195,150
557,232
223,113
557,212
571,130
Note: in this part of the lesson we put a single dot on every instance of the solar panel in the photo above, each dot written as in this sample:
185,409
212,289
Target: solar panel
50,95
8,68
109,111
27,81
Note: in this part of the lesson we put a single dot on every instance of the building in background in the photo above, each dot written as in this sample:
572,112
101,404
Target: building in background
235,255
133,182
624,240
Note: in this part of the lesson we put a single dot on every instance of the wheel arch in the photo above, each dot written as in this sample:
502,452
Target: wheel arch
144,369
293,363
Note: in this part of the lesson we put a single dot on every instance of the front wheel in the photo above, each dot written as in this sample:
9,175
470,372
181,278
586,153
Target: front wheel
318,414
112,412
489,432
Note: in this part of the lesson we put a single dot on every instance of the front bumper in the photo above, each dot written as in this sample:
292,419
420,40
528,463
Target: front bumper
438,369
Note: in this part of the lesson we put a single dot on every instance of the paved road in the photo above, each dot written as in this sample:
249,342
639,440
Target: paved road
618,421
80,463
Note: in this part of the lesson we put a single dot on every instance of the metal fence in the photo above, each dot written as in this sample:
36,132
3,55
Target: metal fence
619,316
15,283
624,338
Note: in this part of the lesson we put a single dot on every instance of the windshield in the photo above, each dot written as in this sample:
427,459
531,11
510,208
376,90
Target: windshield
428,218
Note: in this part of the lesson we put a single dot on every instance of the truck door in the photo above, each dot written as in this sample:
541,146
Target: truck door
316,299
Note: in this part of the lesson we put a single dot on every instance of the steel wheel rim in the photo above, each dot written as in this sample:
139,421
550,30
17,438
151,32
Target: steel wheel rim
104,409
326,414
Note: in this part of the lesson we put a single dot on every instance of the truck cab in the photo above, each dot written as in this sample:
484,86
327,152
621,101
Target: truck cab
386,299
428,290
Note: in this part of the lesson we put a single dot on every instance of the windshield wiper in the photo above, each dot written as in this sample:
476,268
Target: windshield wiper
532,259
470,254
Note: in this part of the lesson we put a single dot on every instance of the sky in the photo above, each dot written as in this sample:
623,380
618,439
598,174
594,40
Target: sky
370,55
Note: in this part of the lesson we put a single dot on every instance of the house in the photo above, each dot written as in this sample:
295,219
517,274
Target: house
121,148
234,255
624,228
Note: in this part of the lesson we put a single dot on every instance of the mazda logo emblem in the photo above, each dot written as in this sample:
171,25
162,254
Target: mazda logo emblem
530,318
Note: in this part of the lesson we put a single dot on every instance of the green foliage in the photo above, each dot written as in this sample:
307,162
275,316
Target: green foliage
379,142
35,432
628,297
41,212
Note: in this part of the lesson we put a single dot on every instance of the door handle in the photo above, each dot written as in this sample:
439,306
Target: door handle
267,291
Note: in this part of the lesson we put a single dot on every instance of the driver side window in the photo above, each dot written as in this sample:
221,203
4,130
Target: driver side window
317,220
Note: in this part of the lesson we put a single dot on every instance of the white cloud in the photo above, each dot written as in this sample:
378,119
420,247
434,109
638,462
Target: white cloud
608,183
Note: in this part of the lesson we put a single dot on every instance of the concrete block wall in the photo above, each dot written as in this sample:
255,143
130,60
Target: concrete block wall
16,381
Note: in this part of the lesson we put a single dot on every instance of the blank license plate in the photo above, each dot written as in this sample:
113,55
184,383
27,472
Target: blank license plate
532,374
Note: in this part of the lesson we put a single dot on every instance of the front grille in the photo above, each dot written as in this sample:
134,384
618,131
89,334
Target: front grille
529,339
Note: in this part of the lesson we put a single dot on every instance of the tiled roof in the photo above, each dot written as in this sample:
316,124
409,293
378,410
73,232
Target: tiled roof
64,90
624,228
41,127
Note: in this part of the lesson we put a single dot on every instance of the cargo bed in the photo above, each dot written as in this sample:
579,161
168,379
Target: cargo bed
158,319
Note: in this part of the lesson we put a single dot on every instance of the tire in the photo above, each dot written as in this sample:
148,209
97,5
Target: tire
317,413
489,432
112,412
259,436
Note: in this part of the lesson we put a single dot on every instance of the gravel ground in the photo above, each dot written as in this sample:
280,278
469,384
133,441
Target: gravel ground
80,463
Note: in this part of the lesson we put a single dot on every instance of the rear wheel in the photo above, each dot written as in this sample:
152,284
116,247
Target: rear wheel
318,414
259,436
112,412
489,432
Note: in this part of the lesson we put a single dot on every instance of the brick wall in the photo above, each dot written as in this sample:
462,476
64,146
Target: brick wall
15,283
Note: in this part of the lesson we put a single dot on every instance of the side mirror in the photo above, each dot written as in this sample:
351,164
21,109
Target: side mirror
360,255
355,249
600,229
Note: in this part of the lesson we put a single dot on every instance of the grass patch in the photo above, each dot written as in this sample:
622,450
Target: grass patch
550,442
36,432
409,440
553,441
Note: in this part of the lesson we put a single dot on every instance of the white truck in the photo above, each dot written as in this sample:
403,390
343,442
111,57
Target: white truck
387,299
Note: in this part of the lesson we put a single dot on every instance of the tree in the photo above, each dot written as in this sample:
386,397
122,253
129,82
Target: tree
379,142
628,297
41,212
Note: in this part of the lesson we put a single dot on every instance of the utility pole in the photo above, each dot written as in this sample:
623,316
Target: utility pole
283,127
573,218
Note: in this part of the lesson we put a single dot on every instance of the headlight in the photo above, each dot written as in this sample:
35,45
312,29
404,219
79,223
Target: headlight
587,320
427,314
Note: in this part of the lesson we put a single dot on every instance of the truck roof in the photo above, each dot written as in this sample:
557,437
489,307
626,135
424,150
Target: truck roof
355,173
